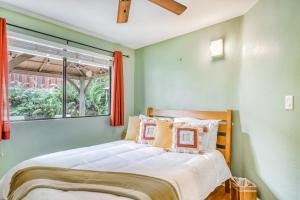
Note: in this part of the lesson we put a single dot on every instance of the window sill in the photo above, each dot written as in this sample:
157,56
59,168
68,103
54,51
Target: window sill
56,119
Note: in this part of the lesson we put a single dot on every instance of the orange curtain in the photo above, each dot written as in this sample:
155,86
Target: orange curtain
117,102
4,112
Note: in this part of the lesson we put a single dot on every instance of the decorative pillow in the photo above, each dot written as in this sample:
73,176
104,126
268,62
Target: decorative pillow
163,138
133,128
208,137
147,130
186,138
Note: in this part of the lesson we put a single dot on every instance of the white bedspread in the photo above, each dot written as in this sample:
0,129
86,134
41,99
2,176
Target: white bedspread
195,176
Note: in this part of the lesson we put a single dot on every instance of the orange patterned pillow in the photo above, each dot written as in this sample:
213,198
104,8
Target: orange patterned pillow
147,131
186,138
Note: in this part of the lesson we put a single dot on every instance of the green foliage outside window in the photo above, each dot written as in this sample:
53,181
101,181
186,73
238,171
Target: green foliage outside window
41,103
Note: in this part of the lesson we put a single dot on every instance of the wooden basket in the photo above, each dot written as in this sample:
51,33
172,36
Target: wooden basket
242,189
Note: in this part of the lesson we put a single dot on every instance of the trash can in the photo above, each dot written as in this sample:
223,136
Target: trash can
242,189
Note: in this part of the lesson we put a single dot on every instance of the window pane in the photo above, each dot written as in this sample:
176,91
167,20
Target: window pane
36,87
88,90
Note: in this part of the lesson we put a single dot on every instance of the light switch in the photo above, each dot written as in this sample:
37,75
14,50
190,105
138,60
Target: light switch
289,102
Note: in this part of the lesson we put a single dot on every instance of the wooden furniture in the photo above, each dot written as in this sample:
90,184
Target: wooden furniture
241,192
219,194
224,132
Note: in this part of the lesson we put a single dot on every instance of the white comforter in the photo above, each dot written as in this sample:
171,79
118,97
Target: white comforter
194,176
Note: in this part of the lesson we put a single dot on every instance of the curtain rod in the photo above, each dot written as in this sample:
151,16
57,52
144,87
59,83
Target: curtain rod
61,38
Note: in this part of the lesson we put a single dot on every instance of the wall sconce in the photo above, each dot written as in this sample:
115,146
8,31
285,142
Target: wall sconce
217,48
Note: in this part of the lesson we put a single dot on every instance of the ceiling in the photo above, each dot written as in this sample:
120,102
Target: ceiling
148,23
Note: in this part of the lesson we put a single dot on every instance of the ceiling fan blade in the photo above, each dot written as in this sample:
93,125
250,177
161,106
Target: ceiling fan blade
123,11
171,5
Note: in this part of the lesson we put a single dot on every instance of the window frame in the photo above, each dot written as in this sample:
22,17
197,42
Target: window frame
64,76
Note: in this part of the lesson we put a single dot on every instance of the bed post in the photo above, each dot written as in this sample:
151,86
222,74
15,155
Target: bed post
150,112
228,146
228,137
227,186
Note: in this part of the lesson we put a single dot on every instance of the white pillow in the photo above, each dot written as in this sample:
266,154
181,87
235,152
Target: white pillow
209,139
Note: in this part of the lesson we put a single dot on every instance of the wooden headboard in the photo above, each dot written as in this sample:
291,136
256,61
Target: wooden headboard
224,132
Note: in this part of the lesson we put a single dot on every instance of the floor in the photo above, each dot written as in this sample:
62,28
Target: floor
219,194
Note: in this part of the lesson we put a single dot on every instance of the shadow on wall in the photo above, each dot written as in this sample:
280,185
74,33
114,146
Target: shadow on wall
249,162
243,158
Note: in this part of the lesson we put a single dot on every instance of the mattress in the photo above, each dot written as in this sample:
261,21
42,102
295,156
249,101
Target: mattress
194,176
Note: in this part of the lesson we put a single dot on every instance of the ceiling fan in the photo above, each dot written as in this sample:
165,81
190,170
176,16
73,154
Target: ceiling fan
171,5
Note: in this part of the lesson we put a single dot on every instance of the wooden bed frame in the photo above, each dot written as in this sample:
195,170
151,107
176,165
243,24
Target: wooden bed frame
224,132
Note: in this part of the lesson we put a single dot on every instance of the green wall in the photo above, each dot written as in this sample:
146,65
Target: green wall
261,66
179,73
35,138
270,70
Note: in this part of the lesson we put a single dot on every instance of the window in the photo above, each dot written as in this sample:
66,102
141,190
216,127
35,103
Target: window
88,90
34,92
56,81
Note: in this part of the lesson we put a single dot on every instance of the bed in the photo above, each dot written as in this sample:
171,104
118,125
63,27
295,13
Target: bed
192,176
